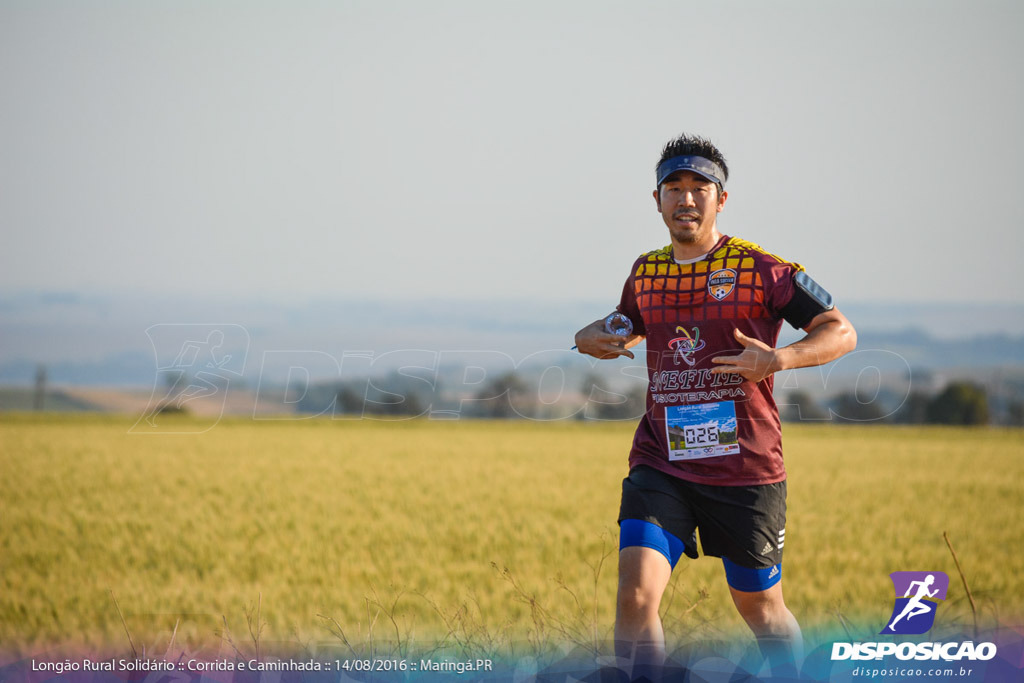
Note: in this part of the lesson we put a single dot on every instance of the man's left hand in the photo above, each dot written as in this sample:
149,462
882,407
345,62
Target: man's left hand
756,362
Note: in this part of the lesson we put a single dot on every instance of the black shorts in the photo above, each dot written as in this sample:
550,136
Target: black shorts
746,524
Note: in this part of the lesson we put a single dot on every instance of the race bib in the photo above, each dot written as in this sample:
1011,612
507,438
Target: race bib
706,430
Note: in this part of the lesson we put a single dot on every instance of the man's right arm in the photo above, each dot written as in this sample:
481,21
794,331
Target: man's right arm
595,341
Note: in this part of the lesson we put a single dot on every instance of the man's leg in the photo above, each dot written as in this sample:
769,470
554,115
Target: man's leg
776,629
648,551
904,613
643,577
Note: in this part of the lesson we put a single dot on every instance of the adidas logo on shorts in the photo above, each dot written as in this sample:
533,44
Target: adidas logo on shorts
767,549
774,572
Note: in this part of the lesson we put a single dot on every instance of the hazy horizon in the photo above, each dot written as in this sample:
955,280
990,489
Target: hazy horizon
111,339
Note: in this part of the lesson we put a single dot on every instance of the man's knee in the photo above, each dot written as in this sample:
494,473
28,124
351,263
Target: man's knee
759,615
764,611
638,602
643,576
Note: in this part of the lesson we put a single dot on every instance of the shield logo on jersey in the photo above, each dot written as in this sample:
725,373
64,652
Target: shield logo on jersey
721,283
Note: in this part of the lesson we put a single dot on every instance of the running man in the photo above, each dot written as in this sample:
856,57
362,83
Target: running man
707,454
916,606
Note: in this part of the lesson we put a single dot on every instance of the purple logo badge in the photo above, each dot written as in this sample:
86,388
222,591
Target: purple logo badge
917,596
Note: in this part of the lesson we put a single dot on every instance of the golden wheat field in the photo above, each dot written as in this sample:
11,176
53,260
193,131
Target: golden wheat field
463,532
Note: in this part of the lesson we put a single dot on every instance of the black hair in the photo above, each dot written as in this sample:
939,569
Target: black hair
686,145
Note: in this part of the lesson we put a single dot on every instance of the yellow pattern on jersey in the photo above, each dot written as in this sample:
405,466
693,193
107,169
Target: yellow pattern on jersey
734,253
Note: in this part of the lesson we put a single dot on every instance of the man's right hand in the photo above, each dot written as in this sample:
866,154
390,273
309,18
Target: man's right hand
595,341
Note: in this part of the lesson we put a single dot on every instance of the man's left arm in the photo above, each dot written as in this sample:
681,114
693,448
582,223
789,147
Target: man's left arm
829,336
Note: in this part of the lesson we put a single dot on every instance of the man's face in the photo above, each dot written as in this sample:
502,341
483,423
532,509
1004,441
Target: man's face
689,204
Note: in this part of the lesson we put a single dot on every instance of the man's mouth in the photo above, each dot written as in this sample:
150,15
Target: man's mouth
695,217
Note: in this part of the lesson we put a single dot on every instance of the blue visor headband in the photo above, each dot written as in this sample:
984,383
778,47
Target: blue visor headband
699,165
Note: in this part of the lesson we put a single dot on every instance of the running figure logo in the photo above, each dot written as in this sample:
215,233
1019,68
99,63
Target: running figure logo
917,596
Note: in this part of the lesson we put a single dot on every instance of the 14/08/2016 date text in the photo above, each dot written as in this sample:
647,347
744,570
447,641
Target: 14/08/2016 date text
458,667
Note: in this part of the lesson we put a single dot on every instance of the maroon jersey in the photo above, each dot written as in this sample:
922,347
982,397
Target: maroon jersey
711,429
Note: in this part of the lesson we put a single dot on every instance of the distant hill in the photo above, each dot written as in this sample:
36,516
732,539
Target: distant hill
93,340
23,399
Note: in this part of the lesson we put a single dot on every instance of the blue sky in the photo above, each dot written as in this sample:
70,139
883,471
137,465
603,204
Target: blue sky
488,151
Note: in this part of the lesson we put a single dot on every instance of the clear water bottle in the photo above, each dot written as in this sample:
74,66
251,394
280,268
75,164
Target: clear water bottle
618,324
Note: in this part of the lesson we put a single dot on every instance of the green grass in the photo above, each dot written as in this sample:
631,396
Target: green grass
409,527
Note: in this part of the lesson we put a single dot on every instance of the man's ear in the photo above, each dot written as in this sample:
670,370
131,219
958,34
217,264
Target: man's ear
657,198
721,199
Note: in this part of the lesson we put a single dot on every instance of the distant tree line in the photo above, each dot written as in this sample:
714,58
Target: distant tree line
511,396
959,403
394,395
505,396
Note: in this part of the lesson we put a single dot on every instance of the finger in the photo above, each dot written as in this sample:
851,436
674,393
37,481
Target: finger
608,338
729,367
736,370
605,351
741,338
610,355
732,360
599,345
